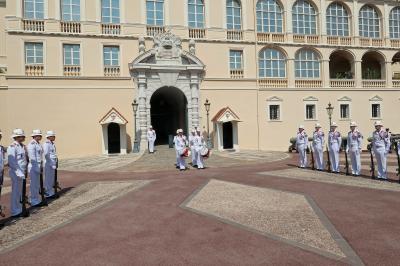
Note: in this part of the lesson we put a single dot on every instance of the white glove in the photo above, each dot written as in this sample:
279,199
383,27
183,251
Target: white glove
347,150
53,167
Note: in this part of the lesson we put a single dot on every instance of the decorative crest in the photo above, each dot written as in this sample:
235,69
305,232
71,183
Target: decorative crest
167,46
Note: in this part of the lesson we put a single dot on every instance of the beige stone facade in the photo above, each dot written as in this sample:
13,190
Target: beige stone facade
77,100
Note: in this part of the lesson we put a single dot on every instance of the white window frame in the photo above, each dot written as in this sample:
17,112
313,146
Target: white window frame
196,21
369,33
334,20
263,12
274,100
71,14
110,16
80,54
155,19
34,11
119,55
380,110
310,101
348,111
242,58
376,100
43,52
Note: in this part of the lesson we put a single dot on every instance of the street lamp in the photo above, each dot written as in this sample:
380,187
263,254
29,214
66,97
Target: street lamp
135,147
329,110
207,106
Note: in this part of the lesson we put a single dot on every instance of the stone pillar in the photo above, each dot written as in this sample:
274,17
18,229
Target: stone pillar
322,21
385,24
288,21
389,73
142,111
194,87
325,73
291,75
354,23
357,73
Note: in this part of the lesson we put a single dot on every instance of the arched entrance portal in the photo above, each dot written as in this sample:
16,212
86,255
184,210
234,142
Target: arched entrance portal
227,131
114,140
168,112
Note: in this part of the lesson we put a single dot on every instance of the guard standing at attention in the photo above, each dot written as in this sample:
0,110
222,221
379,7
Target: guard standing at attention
151,138
381,145
334,144
35,153
50,163
301,146
318,147
354,147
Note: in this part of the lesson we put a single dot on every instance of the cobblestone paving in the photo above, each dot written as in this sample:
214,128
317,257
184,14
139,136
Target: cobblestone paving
324,177
73,204
285,215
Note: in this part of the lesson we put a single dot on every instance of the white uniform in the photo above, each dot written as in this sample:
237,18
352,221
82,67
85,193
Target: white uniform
151,138
50,164
35,152
17,163
180,145
334,144
353,148
198,145
193,149
381,146
301,147
318,149
2,157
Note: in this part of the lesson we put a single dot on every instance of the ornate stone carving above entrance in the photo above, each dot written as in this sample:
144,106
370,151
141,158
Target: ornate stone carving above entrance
167,46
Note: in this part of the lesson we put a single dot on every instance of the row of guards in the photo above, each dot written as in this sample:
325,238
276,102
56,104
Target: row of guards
35,161
382,143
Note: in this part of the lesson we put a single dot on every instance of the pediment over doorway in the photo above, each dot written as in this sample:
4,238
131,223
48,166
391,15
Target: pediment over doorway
113,116
225,115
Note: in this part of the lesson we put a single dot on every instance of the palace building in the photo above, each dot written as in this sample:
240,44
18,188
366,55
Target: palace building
81,67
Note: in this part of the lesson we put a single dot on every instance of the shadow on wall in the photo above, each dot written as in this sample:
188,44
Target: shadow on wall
128,143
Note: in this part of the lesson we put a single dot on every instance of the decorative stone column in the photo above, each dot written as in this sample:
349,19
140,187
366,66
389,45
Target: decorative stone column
358,73
389,73
354,19
291,75
142,85
194,87
325,73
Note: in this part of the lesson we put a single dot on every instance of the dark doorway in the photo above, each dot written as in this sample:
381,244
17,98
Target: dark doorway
168,113
227,130
114,142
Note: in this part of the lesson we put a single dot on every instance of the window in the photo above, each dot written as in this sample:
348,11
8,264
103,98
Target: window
72,54
235,59
274,112
111,55
307,64
110,11
310,112
344,111
304,18
272,64
71,10
196,13
269,16
34,9
394,23
337,20
233,15
369,22
33,53
376,110
155,12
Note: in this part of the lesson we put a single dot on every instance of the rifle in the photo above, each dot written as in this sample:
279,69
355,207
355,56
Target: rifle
42,191
396,145
25,211
1,186
56,184
347,163
312,158
372,165
329,159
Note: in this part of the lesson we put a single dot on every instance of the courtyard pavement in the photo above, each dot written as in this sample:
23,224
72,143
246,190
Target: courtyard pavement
246,208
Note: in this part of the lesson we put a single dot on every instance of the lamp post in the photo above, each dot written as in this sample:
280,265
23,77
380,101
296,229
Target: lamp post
135,147
207,106
329,110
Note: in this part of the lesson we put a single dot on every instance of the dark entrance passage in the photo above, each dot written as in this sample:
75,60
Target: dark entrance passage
227,134
168,112
114,141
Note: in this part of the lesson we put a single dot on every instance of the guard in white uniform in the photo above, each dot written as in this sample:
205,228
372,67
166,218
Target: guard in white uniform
151,138
301,146
180,145
50,162
192,147
334,144
35,153
381,145
199,143
17,161
354,147
318,147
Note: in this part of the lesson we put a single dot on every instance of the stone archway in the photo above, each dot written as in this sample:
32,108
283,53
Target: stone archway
166,65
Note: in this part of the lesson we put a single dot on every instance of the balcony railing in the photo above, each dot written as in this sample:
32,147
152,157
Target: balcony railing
308,83
236,35
270,37
237,73
395,43
154,30
70,27
306,39
374,83
197,33
33,25
396,83
72,71
112,71
34,70
265,83
342,83
336,40
111,29
371,42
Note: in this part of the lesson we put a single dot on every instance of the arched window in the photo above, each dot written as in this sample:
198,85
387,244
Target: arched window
307,64
337,20
394,23
196,13
272,64
155,12
233,15
369,22
269,16
304,18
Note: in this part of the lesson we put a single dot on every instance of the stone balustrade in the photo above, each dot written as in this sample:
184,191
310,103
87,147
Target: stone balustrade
154,30
111,29
396,83
237,73
374,83
70,27
342,83
195,33
34,70
308,83
235,35
265,83
336,40
112,71
72,71
33,25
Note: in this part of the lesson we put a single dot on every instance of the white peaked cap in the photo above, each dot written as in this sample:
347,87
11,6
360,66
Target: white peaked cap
378,123
18,133
301,126
180,130
1,133
177,131
36,132
150,126
193,130
317,125
334,124
353,124
50,133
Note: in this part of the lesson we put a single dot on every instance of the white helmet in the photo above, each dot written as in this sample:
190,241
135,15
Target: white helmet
18,133
378,123
50,133
334,124
318,125
353,124
301,126
36,132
